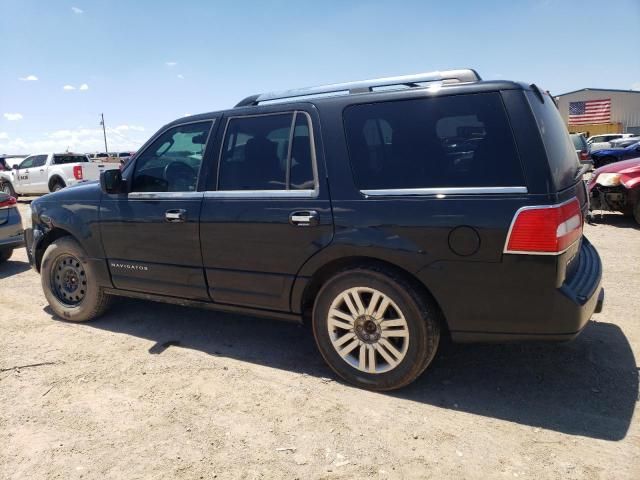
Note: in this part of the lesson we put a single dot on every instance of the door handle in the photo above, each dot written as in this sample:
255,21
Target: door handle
304,218
42,169
178,215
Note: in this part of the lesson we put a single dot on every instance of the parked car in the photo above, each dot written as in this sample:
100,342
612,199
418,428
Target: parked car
49,172
11,233
616,187
611,155
345,206
103,157
582,149
599,142
7,160
624,142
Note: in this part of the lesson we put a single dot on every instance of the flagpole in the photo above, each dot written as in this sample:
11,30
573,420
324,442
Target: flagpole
104,132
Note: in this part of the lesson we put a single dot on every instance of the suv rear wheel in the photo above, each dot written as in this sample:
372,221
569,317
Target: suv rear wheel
374,329
69,283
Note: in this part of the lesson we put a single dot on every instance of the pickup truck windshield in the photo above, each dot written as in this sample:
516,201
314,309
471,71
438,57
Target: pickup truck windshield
61,159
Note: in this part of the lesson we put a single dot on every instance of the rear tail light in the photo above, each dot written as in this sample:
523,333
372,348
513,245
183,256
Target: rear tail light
547,229
77,172
584,155
8,203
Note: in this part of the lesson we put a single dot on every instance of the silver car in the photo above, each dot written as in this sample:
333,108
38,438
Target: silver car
11,232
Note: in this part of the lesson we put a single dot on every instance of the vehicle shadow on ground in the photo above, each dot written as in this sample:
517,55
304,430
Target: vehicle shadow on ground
613,219
586,387
12,267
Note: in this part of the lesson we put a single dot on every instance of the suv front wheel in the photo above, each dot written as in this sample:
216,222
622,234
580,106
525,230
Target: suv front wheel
69,282
374,329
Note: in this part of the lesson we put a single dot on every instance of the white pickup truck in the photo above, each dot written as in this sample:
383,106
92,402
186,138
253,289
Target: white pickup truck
48,172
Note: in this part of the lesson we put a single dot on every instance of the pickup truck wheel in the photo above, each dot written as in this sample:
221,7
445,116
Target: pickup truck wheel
69,282
7,188
5,255
57,186
374,329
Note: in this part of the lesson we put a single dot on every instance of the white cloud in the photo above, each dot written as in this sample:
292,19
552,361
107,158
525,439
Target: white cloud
77,10
180,76
29,78
135,128
171,64
4,136
635,86
13,116
82,140
84,86
68,87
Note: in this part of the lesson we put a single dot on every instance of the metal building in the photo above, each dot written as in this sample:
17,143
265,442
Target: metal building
601,110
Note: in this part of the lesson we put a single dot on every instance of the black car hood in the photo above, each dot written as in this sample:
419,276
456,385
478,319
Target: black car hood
82,192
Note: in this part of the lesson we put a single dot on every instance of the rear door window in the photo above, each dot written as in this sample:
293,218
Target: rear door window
267,152
457,141
561,153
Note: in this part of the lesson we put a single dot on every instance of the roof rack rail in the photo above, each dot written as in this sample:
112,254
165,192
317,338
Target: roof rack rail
448,76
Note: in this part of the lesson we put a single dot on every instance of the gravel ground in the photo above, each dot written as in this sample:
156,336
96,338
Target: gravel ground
158,391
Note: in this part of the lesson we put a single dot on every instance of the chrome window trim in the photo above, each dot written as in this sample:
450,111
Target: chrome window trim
271,193
164,195
150,142
383,192
251,194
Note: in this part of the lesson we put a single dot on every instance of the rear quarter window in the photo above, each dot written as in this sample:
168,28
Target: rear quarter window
561,153
456,141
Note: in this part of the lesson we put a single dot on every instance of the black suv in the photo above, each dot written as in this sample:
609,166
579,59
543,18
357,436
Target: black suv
387,213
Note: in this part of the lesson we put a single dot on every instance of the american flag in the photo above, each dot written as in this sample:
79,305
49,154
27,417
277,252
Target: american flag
590,111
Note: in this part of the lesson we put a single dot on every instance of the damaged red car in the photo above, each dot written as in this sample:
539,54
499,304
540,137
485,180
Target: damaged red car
616,188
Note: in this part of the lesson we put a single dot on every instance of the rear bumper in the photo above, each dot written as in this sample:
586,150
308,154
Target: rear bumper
11,233
559,314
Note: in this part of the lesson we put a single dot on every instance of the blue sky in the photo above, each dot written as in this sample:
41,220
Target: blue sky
144,63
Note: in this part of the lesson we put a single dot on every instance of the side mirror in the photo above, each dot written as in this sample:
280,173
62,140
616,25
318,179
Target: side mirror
15,166
111,181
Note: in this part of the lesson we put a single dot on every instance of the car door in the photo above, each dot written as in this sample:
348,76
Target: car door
151,234
268,209
38,180
22,175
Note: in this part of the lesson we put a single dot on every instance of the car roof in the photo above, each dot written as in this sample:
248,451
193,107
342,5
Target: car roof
302,96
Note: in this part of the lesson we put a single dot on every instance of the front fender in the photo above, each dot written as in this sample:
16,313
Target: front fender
78,220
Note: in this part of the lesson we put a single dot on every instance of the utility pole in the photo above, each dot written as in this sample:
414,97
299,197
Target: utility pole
104,132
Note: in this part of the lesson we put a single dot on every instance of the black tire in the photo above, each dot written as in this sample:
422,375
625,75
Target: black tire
94,301
422,324
57,186
5,255
636,212
7,188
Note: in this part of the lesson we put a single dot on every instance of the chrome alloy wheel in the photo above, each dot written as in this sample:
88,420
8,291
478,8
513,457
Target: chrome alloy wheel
69,280
368,330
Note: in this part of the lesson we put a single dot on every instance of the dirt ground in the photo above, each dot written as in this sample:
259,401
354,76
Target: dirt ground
158,391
